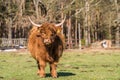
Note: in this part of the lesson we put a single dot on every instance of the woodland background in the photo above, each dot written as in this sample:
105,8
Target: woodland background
87,21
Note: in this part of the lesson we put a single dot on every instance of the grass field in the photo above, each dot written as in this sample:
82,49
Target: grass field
74,65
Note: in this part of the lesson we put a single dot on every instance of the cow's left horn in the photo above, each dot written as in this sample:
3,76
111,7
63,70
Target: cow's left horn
37,25
59,24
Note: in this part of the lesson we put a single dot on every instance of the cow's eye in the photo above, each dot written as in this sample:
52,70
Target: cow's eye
52,35
42,32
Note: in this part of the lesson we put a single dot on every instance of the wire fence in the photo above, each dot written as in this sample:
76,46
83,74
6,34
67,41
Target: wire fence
70,44
13,43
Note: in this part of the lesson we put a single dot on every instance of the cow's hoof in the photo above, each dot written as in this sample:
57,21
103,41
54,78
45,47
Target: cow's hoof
42,76
38,73
54,76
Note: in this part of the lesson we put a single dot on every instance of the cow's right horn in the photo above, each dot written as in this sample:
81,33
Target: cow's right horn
37,25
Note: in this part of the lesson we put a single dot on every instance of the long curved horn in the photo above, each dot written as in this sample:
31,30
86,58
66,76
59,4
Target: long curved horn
59,24
37,25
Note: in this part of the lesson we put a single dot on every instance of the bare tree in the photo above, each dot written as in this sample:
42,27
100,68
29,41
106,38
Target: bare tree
87,7
117,32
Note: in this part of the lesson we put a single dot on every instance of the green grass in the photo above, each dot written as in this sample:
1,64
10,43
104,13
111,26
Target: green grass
74,65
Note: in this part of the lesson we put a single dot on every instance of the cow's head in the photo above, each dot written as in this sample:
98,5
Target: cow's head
48,31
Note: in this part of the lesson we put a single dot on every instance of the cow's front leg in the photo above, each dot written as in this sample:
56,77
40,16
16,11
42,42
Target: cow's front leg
53,67
42,65
38,67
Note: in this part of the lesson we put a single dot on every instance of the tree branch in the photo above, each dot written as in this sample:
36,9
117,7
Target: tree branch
78,11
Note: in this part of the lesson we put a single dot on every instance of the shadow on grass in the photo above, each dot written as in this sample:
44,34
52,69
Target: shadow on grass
62,74
1,77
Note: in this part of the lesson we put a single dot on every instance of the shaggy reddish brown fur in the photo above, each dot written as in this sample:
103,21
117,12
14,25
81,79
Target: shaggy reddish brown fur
43,53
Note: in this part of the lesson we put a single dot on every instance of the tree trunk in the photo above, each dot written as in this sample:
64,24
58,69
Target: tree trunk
62,15
117,41
69,32
89,24
10,31
76,32
36,8
21,7
79,34
110,21
86,23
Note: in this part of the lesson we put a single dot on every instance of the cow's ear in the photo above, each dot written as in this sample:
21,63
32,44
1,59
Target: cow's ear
59,30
